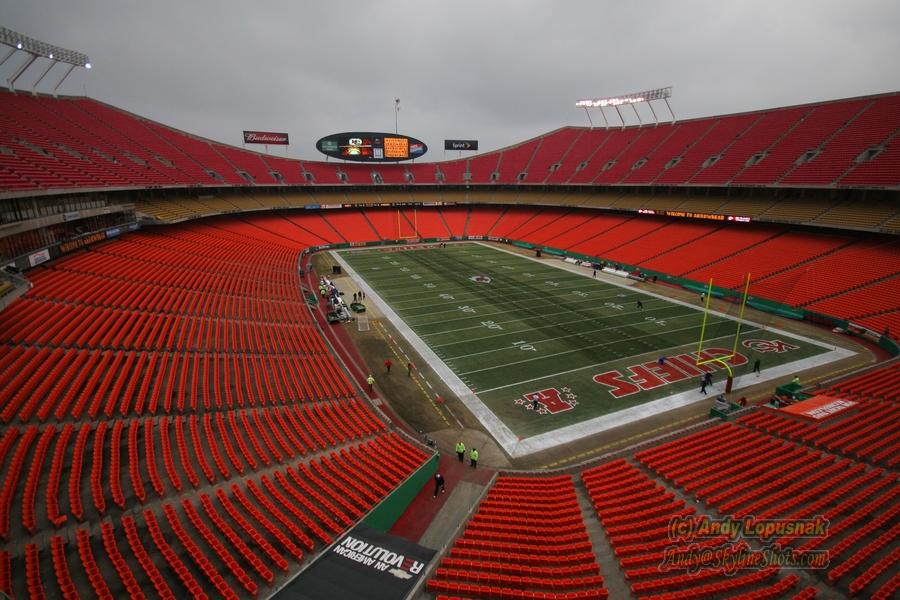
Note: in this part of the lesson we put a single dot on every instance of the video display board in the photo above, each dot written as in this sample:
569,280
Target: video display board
366,146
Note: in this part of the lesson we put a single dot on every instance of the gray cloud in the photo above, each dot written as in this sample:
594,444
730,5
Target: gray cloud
500,71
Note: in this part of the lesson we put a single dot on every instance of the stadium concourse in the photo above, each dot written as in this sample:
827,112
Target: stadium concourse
179,419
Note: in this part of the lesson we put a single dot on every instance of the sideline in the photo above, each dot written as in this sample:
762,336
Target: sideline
516,447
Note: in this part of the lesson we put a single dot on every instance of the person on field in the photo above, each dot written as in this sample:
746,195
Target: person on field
756,367
460,451
438,484
388,363
721,404
707,381
473,458
371,381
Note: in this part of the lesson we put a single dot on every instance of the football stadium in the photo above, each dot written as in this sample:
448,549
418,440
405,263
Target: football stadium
640,357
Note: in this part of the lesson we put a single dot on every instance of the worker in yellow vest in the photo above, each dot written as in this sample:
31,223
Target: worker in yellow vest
460,451
371,381
473,458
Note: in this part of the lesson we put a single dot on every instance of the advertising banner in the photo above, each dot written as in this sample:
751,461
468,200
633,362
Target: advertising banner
460,144
81,242
266,137
819,407
41,256
364,564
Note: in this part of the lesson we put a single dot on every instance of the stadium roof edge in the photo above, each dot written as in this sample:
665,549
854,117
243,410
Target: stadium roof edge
488,153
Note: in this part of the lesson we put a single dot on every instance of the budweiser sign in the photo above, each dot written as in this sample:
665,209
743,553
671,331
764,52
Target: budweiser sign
265,137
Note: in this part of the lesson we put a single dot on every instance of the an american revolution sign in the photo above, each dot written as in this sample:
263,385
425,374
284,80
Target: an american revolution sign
266,137
365,564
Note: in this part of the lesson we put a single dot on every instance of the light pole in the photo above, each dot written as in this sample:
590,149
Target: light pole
34,49
628,99
396,113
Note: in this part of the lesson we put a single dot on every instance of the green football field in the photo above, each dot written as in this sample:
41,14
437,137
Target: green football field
513,330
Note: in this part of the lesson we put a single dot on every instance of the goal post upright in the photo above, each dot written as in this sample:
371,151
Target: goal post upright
415,225
740,322
707,298
723,360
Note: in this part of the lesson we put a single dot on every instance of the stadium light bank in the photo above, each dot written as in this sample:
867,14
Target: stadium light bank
627,99
34,49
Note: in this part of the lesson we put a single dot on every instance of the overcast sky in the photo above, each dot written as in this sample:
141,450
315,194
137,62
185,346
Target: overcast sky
497,71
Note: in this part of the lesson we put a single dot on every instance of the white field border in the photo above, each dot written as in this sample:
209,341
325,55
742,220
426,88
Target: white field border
516,447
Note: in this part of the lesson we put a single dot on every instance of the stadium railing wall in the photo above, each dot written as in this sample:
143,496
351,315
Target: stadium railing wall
383,516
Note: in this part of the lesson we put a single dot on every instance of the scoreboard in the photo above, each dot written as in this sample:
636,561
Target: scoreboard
367,146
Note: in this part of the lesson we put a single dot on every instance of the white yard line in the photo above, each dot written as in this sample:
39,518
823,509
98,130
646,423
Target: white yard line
499,291
660,352
538,328
579,349
516,447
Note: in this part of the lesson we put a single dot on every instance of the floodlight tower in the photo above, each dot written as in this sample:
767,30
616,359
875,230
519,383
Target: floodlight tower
628,99
34,49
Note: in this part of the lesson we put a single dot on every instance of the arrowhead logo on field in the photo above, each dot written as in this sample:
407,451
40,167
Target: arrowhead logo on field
480,278
550,401
776,346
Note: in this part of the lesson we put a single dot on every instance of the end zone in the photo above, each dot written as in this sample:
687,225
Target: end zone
516,447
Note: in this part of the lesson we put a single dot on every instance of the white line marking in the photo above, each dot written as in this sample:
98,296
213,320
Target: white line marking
510,442
579,349
662,351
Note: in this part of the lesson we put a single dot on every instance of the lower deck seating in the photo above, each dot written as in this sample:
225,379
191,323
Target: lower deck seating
173,422
869,431
641,520
880,383
751,475
787,265
526,538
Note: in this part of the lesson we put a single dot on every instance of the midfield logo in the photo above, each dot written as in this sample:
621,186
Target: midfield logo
549,401
480,278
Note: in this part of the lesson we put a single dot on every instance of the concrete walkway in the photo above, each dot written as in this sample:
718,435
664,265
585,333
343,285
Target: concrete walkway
613,579
461,501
